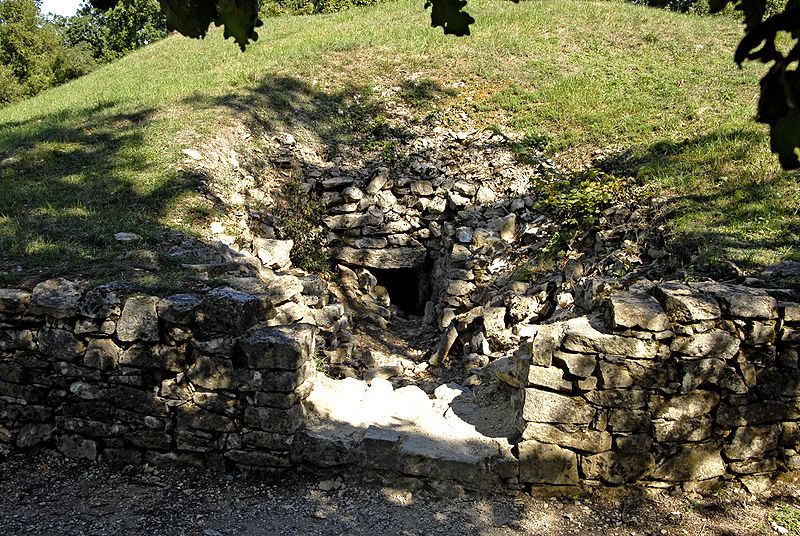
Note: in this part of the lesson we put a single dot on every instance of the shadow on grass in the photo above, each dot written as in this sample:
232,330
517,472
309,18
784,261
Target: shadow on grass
724,203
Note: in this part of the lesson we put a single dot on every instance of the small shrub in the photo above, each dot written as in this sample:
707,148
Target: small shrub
298,216
579,201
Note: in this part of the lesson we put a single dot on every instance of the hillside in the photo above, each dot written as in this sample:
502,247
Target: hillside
646,93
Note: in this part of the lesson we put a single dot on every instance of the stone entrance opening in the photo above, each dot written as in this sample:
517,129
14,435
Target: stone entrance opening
409,288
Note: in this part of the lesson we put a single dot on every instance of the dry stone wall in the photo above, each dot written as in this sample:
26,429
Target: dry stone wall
693,384
214,379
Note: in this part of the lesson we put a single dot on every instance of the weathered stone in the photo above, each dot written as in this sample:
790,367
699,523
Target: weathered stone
33,434
86,391
21,339
686,406
259,458
13,301
621,373
752,442
89,427
713,371
633,443
543,406
582,337
423,188
378,181
540,463
229,311
446,343
460,288
633,310
790,335
60,344
757,413
123,456
789,311
352,221
139,320
619,398
550,377
99,303
101,354
568,436
696,462
178,308
352,194
522,308
749,305
749,467
134,400
269,380
760,332
717,344
494,320
279,347
618,467
275,420
697,429
580,365
200,419
77,447
485,195
686,307
159,357
56,298
267,440
390,258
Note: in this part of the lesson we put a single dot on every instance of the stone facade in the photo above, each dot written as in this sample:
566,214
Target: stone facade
213,379
675,384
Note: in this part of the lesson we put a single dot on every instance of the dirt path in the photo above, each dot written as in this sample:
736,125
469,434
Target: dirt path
42,494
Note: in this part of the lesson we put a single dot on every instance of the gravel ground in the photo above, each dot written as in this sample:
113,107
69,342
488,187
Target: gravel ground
43,494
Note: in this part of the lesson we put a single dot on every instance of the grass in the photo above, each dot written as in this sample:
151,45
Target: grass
656,90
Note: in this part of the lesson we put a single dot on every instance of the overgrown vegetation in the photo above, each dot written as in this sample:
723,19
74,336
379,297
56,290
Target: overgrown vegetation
298,217
278,8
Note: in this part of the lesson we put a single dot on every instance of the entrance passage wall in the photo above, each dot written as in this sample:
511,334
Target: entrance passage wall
675,384
199,379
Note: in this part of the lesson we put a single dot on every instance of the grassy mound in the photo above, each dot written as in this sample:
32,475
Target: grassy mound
654,92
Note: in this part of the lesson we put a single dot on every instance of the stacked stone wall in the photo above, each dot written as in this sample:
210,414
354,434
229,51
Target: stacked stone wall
675,384
206,379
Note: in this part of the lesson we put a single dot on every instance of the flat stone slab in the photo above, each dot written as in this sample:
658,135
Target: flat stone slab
401,431
387,258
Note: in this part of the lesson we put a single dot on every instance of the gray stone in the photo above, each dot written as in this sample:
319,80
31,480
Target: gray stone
378,181
789,311
160,357
352,221
77,447
33,434
60,344
713,371
139,320
687,307
749,467
759,332
695,462
687,406
546,407
485,195
581,337
86,391
523,308
697,429
718,344
282,421
621,373
494,320
229,311
370,242
619,398
279,347
633,443
11,340
568,437
99,303
621,420
550,377
352,194
752,442
101,354
540,463
390,258
423,188
447,341
13,301
178,308
56,298
634,310
460,288
618,467
193,417
258,458
757,413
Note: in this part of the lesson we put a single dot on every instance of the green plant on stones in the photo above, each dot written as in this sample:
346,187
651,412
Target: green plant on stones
787,516
298,216
578,201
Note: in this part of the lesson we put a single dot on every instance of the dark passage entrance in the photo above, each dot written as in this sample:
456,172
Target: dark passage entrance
409,288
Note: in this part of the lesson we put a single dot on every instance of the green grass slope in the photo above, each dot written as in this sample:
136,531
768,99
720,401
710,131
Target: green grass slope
102,154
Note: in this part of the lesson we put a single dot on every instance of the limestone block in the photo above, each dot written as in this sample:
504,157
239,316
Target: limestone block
582,337
618,468
460,288
757,413
618,373
99,303
259,458
282,421
687,307
540,463
389,258
33,434
580,365
229,311
149,439
686,406
266,440
423,188
696,429
633,443
634,310
713,371
354,220
16,339
752,442
278,347
789,311
73,446
550,377
13,301
749,467
760,332
56,298
635,399
568,436
485,195
139,320
701,461
178,308
269,380
717,344
494,320
60,344
545,407
159,356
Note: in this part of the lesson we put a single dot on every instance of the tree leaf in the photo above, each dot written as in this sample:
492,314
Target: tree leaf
785,139
104,4
449,15
189,17
240,18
